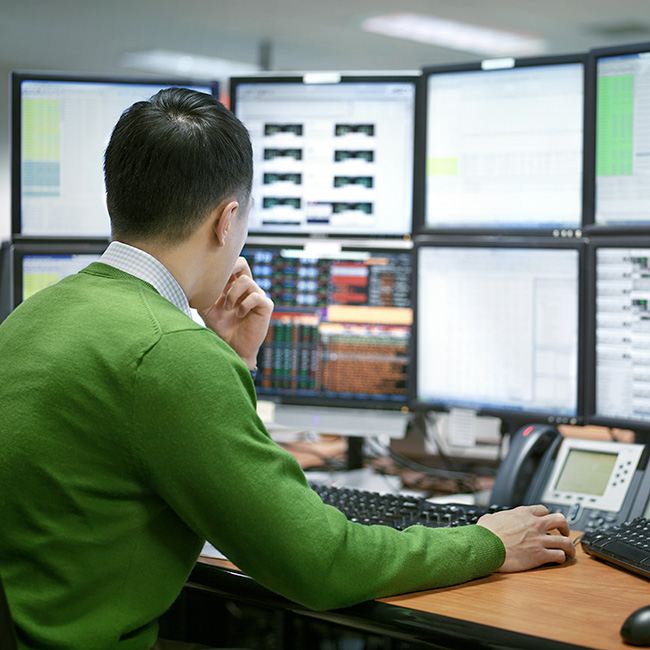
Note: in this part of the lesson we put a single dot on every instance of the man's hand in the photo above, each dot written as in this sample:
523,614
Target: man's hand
524,533
242,313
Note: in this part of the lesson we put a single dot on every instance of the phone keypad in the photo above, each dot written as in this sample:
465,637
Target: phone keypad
590,519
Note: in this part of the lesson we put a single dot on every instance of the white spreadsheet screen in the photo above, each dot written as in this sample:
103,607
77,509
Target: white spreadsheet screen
498,328
330,158
504,148
623,333
623,140
66,126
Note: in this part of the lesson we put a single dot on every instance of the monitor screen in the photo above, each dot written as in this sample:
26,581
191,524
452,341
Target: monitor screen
341,328
35,268
497,329
504,147
622,137
619,275
586,471
330,158
60,129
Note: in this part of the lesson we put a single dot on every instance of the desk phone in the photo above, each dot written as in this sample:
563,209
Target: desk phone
595,484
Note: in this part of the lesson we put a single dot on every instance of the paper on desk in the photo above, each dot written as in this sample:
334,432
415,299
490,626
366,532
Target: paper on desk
467,499
211,551
266,411
462,427
360,479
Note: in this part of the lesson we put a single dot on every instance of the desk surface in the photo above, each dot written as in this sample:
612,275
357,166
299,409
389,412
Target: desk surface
582,602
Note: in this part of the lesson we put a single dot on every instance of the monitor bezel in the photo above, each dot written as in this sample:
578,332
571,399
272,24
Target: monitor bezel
19,250
338,79
512,416
420,218
16,78
351,245
591,107
591,416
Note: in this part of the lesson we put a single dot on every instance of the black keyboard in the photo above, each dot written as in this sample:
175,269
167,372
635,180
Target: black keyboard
398,510
626,546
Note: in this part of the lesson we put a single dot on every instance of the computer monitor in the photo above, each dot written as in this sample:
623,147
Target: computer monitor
503,147
6,290
618,351
38,266
337,353
620,100
60,126
331,159
498,329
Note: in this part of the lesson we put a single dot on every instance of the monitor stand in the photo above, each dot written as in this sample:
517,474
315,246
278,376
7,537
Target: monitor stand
361,423
354,424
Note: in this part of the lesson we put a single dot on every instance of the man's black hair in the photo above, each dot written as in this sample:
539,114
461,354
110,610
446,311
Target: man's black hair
170,161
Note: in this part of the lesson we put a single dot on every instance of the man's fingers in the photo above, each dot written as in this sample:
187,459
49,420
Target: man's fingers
561,543
553,521
557,521
557,556
241,268
251,302
239,290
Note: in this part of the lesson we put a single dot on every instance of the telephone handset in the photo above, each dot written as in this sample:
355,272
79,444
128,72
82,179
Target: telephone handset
530,451
593,483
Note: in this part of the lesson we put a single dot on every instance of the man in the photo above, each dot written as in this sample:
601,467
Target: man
129,433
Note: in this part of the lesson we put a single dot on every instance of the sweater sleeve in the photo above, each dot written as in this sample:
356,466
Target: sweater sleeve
203,449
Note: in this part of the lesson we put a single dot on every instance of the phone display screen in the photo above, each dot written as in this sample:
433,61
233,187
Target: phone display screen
586,472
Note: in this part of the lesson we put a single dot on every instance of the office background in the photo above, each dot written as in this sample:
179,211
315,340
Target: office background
279,35
72,37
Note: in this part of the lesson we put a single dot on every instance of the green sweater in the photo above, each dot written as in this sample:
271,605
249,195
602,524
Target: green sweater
128,436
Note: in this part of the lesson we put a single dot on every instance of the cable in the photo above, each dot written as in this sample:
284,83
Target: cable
329,463
465,480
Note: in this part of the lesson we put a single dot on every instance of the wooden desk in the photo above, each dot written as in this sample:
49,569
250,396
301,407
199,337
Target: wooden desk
581,604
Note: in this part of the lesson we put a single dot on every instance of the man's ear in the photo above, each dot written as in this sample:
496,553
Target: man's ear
222,219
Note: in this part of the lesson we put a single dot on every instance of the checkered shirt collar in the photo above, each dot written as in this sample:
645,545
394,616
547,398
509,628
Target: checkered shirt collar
135,261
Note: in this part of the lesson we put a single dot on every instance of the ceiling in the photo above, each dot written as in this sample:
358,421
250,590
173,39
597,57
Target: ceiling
92,36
